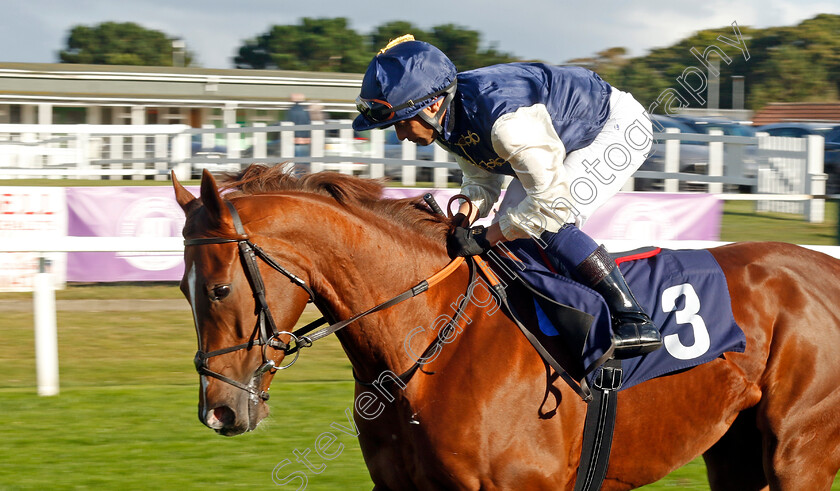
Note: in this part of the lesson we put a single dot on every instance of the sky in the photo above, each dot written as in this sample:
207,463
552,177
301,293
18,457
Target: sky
554,31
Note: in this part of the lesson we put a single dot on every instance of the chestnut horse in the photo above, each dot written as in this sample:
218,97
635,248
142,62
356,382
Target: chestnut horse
486,413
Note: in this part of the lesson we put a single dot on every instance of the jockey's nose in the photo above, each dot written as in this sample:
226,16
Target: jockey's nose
401,134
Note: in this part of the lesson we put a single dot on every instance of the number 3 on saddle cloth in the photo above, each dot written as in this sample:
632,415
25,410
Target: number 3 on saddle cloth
683,291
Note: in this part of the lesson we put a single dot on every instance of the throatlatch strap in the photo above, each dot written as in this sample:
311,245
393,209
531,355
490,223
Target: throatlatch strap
599,427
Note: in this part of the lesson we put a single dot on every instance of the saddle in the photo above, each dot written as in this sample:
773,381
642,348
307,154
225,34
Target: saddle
684,292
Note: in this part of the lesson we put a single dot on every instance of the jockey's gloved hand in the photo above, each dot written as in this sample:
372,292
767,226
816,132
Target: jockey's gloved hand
463,241
459,220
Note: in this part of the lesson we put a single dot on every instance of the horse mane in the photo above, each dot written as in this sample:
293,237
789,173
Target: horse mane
348,191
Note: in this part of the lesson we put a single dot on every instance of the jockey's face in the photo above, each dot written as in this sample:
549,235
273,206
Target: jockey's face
416,129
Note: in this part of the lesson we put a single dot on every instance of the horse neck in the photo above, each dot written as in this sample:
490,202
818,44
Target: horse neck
365,264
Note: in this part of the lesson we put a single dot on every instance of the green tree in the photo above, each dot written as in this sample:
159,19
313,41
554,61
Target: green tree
789,75
462,46
392,30
331,45
786,64
645,83
321,45
112,43
607,63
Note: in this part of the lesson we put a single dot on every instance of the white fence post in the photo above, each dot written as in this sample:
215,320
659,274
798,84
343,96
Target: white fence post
316,147
672,161
46,333
180,152
287,141
161,150
138,142
715,167
82,152
441,174
345,137
409,172
816,178
377,150
208,140
233,142
260,141
116,153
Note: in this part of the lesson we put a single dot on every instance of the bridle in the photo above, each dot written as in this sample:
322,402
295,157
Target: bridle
266,333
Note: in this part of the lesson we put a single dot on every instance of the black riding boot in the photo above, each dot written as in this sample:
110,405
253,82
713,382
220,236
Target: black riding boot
633,330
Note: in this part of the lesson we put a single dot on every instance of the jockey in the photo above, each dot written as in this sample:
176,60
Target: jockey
569,140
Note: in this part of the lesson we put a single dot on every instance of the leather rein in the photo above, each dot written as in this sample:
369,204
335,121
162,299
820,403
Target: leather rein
266,333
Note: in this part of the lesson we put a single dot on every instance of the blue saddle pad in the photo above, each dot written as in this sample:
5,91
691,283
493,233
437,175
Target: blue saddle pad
684,292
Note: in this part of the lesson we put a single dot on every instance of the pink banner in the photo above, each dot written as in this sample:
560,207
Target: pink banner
124,212
653,216
639,216
152,212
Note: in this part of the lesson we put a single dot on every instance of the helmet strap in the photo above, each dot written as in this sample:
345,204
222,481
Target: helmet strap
434,120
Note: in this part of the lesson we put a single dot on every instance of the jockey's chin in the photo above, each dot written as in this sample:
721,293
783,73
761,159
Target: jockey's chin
416,131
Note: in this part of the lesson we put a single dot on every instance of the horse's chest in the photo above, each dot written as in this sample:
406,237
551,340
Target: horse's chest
405,451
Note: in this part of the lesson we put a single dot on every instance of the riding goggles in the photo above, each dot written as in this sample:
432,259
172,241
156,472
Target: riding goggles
379,111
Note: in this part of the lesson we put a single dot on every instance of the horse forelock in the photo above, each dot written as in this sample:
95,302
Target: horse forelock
353,193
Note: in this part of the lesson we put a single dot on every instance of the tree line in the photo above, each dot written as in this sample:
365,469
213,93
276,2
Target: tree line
786,64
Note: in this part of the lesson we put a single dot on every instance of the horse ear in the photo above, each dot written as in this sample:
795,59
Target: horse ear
184,198
210,195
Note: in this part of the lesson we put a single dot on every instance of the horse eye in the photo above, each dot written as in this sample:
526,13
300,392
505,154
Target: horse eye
221,291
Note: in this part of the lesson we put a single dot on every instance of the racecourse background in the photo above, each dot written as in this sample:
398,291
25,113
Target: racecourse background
126,415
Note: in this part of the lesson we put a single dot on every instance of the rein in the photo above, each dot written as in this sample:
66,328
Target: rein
266,333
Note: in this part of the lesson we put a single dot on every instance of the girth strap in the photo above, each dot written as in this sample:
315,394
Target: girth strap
599,427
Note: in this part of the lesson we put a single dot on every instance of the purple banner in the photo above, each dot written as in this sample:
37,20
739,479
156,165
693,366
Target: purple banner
639,216
153,212
124,212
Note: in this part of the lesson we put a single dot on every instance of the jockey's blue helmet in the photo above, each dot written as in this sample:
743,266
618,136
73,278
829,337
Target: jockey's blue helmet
404,78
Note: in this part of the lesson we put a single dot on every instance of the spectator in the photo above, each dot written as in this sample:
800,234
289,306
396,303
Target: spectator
298,115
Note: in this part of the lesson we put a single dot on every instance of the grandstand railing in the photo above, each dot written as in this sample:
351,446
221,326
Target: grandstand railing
720,164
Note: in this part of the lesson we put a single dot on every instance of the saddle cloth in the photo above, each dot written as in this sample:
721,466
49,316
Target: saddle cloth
684,292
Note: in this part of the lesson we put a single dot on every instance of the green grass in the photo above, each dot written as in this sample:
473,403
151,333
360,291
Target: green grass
741,223
149,438
126,415
164,290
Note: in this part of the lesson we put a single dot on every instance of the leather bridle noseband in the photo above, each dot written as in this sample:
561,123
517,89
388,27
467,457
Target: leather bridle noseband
266,333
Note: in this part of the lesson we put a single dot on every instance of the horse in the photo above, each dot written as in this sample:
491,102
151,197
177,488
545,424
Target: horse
486,412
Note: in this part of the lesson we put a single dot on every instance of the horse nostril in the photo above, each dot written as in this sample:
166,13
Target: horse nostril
221,417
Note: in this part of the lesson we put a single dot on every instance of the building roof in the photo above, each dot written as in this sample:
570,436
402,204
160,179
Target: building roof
782,112
76,84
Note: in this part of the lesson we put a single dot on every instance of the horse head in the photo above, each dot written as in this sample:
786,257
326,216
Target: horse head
239,345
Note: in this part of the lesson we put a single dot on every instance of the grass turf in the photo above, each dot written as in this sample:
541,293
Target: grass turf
137,437
125,418
126,414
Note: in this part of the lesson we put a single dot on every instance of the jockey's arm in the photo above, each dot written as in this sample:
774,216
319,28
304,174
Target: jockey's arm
483,188
527,139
